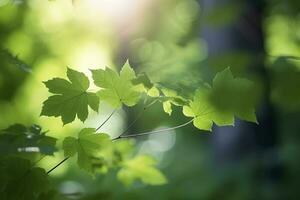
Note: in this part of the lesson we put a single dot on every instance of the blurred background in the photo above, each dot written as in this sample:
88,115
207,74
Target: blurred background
182,44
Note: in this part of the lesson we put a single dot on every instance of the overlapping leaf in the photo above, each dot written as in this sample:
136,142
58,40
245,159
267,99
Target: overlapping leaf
20,180
229,97
117,89
171,97
144,84
87,146
71,97
20,139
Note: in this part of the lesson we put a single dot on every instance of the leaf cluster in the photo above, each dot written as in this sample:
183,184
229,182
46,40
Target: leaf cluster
19,146
96,152
228,97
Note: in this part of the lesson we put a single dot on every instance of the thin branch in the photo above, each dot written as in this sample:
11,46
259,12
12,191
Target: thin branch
131,136
153,132
111,114
61,162
139,115
145,108
138,134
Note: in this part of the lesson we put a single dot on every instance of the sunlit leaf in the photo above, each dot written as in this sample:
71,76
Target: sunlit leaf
87,147
171,97
71,97
229,97
116,89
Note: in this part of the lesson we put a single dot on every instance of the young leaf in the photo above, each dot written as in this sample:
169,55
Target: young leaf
203,111
171,97
87,147
143,79
116,89
141,168
221,103
71,97
144,84
153,92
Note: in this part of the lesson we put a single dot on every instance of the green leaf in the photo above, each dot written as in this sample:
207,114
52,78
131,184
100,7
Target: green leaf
88,147
18,139
71,97
238,96
171,97
167,106
127,72
153,92
143,79
221,103
141,168
116,89
201,110
144,84
19,180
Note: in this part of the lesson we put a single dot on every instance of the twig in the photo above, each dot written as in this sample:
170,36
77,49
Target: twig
61,162
139,116
111,114
152,132
66,158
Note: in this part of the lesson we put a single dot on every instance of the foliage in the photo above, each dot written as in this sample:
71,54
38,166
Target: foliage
88,147
117,89
97,152
177,62
219,103
71,97
20,180
18,139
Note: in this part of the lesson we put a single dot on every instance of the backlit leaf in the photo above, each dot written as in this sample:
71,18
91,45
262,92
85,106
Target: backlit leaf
87,147
116,89
229,97
71,97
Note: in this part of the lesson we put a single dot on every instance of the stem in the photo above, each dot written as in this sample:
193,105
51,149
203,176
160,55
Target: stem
61,162
131,136
111,114
139,116
153,132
